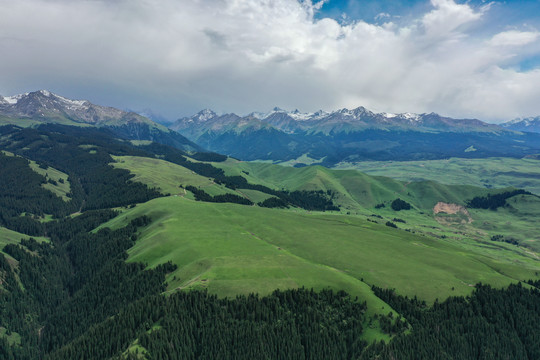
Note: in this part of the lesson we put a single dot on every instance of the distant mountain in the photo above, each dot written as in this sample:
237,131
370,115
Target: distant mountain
43,106
345,120
351,135
530,124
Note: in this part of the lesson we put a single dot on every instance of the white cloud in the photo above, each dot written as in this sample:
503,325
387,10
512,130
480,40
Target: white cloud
514,38
243,55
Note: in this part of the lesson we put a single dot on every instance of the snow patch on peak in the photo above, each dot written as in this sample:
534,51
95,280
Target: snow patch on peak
389,115
12,100
514,121
345,112
77,103
45,92
204,115
411,116
298,116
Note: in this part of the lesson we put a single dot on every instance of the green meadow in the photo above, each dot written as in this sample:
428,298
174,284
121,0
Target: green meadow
490,172
31,122
61,187
8,236
232,249
165,176
358,194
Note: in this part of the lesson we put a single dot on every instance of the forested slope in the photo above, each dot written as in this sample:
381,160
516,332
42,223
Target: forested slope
73,295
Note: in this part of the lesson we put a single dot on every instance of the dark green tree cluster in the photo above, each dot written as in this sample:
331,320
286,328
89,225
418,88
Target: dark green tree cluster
399,204
201,195
489,324
294,324
502,238
61,289
94,183
494,201
273,202
21,192
208,156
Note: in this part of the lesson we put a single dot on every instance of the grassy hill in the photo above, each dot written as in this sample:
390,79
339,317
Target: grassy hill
362,195
354,190
231,249
490,172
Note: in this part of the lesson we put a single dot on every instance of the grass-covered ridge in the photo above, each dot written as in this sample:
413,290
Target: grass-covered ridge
231,249
495,172
363,195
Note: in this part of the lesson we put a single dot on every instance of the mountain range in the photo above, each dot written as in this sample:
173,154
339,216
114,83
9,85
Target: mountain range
530,124
352,135
43,107
326,138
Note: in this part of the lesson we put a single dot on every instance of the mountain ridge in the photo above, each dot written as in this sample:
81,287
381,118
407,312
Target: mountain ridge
349,135
529,124
357,119
43,107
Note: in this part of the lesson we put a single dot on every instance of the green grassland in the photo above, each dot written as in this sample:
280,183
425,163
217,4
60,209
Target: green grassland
167,177
8,236
62,186
358,194
490,172
32,122
231,249
353,189
13,338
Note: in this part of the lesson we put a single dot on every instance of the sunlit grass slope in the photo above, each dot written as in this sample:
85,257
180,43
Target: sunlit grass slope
353,189
358,194
233,249
166,176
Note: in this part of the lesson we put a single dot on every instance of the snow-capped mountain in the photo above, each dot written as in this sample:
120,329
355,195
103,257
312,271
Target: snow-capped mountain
45,107
351,135
530,124
342,120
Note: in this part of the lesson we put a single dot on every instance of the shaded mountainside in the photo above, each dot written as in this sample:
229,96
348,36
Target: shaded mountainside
352,135
44,107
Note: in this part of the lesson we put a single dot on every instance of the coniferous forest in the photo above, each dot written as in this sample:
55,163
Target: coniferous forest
75,297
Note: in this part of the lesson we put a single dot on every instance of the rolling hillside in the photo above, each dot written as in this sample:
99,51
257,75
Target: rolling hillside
232,249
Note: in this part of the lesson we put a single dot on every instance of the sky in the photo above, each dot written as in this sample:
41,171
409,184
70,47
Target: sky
465,59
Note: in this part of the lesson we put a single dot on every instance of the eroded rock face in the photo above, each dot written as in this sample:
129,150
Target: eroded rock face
461,215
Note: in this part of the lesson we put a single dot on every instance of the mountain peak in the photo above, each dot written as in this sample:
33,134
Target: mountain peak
45,92
204,115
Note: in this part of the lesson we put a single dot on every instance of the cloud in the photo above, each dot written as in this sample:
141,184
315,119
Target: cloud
382,15
243,55
514,38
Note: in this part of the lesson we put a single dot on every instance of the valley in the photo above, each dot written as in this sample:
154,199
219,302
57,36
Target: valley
521,173
137,221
